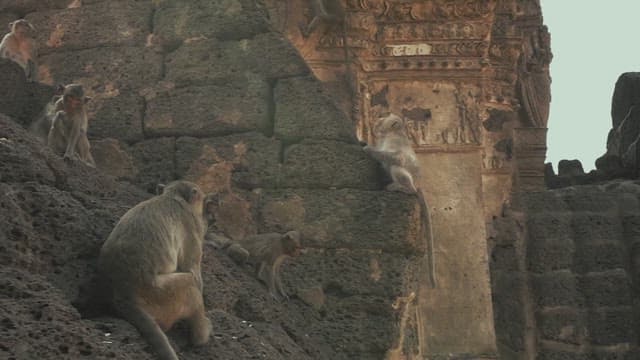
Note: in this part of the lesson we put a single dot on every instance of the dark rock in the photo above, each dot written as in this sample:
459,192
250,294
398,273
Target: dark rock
611,326
610,288
565,325
556,288
570,168
625,94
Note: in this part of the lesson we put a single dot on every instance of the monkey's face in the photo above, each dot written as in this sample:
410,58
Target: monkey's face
22,28
391,124
72,103
189,192
291,243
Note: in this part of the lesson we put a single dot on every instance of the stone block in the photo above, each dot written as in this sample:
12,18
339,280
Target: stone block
508,308
303,110
570,168
631,226
543,202
565,325
504,258
611,326
113,157
106,71
589,228
325,164
20,99
117,117
248,161
610,288
208,61
556,354
104,24
351,219
599,257
557,288
549,254
154,160
176,21
348,272
589,198
239,106
548,227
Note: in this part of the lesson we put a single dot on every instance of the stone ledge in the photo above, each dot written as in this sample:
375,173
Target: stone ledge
333,218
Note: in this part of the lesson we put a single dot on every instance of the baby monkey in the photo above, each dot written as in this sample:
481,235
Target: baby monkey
267,252
19,45
68,133
394,151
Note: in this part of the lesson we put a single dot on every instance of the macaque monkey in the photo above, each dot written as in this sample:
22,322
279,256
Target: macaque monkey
266,254
42,124
68,133
327,11
20,46
394,151
151,262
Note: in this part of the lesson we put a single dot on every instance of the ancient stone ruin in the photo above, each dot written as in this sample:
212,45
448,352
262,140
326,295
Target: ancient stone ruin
269,115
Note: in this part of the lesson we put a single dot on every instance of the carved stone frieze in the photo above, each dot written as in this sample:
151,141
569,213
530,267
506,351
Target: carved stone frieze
435,31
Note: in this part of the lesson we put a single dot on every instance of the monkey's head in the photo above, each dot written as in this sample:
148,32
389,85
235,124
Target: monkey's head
22,28
73,95
291,243
186,191
390,124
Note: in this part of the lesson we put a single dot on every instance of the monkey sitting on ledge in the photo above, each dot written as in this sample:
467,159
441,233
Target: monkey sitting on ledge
19,46
151,263
394,151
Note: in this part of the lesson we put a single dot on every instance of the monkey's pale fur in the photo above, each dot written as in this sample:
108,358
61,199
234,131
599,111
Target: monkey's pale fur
394,151
151,262
68,133
267,253
20,46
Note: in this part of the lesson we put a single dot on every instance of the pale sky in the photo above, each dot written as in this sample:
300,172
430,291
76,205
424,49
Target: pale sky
593,42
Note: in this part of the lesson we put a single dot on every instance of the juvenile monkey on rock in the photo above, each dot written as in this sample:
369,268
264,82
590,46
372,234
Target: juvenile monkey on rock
394,151
267,252
151,262
68,133
19,45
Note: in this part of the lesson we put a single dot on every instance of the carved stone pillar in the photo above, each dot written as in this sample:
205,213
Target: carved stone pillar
464,75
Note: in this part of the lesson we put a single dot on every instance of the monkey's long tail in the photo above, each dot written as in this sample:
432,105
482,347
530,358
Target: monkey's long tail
148,328
427,234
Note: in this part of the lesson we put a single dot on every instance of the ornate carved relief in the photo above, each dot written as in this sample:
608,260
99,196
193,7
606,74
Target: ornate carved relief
534,82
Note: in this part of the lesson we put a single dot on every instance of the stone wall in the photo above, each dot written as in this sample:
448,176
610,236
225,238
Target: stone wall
207,91
565,274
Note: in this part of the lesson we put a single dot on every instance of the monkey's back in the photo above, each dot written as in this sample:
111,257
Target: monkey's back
148,240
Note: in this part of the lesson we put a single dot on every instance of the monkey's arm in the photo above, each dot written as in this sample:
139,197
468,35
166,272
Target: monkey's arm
76,130
386,157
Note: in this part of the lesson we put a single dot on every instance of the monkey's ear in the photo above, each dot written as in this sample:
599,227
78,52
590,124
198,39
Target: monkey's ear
11,26
193,194
87,99
160,189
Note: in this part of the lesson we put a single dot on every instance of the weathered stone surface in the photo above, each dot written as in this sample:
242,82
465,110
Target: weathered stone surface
298,117
589,228
329,219
104,24
247,160
556,288
509,314
116,117
611,288
20,99
113,158
565,325
102,70
325,164
349,272
24,7
543,202
589,199
570,168
155,162
611,326
206,61
599,257
504,258
550,253
548,227
239,106
177,21
625,94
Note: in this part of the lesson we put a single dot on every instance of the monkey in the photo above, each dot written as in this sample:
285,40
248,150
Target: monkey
68,132
394,151
267,253
19,45
42,124
328,11
151,263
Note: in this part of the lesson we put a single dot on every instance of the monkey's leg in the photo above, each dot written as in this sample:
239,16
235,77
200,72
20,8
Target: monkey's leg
278,280
84,149
176,296
402,180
